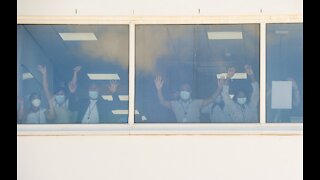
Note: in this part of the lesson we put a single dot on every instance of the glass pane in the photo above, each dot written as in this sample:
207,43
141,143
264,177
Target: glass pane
72,74
197,73
284,73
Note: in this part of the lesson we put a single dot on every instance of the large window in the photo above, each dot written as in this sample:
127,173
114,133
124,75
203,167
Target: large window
284,73
72,74
197,73
184,73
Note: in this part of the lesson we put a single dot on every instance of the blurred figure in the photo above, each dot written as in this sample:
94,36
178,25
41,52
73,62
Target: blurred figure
216,111
241,108
37,114
185,108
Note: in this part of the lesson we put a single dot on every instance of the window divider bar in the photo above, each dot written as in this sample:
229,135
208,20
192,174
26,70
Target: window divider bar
263,73
131,73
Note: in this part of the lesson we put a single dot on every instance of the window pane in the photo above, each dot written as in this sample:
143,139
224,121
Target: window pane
284,73
177,71
72,74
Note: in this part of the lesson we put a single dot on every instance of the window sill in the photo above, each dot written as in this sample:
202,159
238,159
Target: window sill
159,129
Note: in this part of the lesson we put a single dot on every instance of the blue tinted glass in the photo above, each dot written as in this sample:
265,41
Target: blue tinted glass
284,73
197,73
72,74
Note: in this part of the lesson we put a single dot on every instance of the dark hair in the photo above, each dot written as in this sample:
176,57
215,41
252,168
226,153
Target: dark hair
34,94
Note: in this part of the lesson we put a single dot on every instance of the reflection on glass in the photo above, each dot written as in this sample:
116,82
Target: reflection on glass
66,71
197,73
284,73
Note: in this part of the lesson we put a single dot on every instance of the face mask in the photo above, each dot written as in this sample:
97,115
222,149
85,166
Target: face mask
36,102
218,99
184,95
60,98
241,100
93,94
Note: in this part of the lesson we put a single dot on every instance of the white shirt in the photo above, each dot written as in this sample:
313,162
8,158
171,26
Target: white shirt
91,116
36,117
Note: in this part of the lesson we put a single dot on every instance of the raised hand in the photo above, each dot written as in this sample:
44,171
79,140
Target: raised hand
248,69
158,82
231,72
77,69
42,69
113,86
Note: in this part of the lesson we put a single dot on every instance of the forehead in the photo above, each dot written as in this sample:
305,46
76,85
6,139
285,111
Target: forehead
93,87
60,92
185,87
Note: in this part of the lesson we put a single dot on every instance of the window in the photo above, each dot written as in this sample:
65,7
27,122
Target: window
284,73
197,73
72,74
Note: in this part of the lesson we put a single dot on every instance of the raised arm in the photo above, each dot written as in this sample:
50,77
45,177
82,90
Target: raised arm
73,83
296,93
255,86
21,114
214,95
159,83
50,112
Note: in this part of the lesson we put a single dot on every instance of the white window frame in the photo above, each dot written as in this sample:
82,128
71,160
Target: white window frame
131,128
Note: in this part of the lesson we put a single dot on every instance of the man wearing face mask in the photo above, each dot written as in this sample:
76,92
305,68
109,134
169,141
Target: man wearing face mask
241,109
185,108
94,109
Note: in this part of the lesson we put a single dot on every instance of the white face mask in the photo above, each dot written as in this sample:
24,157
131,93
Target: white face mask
184,95
241,100
93,94
36,102
60,98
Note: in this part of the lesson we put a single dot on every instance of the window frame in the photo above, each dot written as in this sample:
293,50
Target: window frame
131,128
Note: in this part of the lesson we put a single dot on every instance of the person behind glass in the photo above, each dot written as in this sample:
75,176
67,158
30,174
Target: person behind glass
92,109
216,109
60,100
283,115
185,108
241,108
37,114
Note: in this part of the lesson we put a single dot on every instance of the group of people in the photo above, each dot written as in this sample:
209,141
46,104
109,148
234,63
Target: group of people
64,106
220,106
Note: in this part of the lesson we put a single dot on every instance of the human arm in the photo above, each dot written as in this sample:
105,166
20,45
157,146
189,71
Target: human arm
296,93
72,85
50,112
159,83
214,95
254,99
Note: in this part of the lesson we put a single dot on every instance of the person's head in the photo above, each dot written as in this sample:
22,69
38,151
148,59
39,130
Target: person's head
35,100
93,91
185,91
60,95
241,97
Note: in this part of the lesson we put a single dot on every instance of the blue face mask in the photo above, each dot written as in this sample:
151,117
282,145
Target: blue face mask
242,100
60,98
184,95
93,94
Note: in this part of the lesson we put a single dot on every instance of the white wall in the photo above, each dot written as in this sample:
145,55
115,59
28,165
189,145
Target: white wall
156,7
182,157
